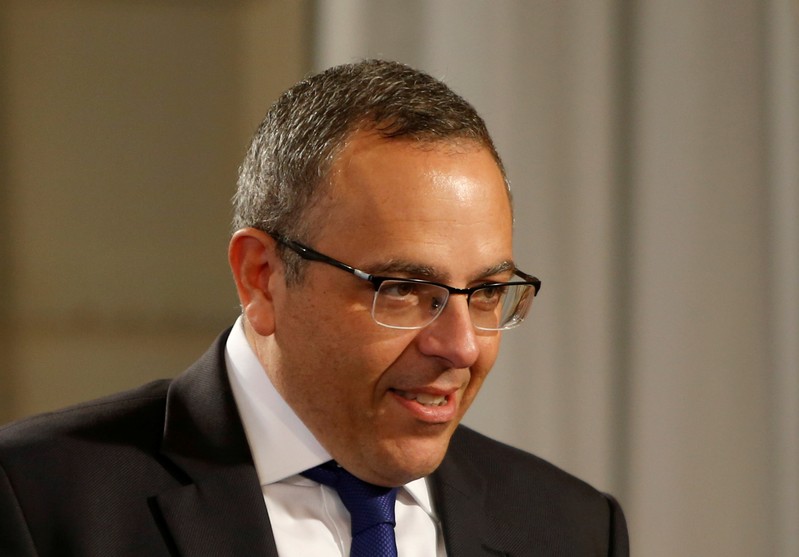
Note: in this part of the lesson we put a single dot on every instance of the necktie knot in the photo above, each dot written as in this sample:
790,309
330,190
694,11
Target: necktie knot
371,509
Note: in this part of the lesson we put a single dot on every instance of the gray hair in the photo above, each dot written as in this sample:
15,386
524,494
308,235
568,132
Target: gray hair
287,165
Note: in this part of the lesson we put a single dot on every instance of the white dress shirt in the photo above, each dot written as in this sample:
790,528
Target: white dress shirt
308,518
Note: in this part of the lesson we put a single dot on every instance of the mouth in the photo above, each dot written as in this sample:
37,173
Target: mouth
431,407
425,399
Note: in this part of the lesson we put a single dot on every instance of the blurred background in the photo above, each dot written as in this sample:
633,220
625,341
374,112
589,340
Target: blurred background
653,150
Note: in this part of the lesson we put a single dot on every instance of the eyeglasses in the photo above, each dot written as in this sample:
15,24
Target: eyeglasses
406,303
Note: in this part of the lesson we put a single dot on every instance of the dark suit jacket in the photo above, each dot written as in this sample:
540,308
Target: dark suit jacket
166,470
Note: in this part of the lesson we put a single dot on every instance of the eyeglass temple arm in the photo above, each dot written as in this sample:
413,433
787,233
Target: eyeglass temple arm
529,278
311,255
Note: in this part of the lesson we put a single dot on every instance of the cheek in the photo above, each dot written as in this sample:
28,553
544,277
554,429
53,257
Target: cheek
480,370
340,346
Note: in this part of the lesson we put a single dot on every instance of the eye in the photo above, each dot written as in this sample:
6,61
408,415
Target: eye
398,289
488,297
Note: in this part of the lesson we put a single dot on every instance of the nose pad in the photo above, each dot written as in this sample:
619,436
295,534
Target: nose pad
451,336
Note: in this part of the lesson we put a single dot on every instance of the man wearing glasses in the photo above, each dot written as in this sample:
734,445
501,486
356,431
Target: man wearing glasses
372,258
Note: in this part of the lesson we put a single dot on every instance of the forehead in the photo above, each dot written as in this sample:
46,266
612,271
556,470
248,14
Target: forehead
371,167
399,198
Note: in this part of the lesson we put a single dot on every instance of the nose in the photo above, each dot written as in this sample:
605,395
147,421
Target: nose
451,336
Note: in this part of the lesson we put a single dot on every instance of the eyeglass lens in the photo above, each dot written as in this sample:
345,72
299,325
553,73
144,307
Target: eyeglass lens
410,305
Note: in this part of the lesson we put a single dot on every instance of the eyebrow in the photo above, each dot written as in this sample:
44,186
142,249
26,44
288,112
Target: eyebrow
501,267
417,270
397,266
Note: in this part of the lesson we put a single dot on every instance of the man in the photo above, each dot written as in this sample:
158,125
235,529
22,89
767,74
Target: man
372,258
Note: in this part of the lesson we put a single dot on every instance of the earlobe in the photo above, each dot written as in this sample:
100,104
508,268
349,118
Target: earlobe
253,260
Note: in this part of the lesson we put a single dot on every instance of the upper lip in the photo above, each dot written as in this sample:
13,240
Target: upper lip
429,390
444,383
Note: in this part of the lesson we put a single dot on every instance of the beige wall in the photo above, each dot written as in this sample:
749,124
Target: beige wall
123,124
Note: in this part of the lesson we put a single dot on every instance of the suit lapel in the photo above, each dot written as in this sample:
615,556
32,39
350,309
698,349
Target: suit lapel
220,515
219,510
458,493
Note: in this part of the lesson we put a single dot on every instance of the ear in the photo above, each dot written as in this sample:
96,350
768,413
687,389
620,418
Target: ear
255,263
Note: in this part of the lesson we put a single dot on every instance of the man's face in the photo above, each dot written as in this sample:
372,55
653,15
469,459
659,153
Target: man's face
385,402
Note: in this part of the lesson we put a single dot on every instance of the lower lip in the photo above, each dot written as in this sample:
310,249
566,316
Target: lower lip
430,414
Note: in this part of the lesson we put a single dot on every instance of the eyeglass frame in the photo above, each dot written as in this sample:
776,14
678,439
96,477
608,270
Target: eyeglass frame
310,254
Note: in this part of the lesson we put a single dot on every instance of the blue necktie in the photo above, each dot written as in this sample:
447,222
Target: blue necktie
371,510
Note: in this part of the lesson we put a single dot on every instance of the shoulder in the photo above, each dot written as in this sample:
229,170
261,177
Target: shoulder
521,492
77,480
511,473
501,464
128,416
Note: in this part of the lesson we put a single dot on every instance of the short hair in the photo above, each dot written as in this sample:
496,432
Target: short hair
287,165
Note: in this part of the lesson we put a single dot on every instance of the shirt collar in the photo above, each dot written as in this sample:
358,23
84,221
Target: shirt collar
271,425
273,428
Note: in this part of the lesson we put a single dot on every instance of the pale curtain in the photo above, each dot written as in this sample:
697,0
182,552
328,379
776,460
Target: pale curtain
653,149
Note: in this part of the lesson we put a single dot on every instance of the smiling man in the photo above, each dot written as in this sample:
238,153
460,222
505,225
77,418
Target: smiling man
372,255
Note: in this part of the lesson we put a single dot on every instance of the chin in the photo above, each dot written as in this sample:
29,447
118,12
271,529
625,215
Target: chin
410,461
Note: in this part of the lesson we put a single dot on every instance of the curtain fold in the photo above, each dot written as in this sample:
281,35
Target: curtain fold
651,148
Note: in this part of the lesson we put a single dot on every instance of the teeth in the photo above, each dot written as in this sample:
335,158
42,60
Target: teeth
431,400
424,398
